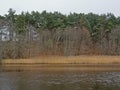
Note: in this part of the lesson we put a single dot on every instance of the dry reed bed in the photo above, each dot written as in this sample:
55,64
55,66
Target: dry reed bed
65,60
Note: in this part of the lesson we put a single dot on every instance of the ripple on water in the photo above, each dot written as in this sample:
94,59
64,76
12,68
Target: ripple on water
53,81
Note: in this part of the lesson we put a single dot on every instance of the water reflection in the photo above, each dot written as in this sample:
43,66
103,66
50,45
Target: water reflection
66,80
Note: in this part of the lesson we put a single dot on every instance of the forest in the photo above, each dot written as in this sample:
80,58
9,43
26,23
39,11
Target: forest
32,34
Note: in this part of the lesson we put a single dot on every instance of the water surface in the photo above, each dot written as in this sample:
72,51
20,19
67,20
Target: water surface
59,80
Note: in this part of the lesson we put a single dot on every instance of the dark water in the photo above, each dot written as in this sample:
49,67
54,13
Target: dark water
63,80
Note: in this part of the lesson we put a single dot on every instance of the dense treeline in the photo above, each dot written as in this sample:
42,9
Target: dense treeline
33,34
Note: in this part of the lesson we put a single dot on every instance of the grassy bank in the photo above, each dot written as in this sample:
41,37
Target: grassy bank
65,60
63,63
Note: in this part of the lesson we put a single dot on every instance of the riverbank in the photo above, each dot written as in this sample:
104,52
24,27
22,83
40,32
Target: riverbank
62,63
65,60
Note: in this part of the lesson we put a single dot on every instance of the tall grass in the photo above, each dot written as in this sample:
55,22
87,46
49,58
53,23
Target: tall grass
65,60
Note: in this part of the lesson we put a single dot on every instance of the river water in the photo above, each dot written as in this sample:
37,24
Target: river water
59,80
